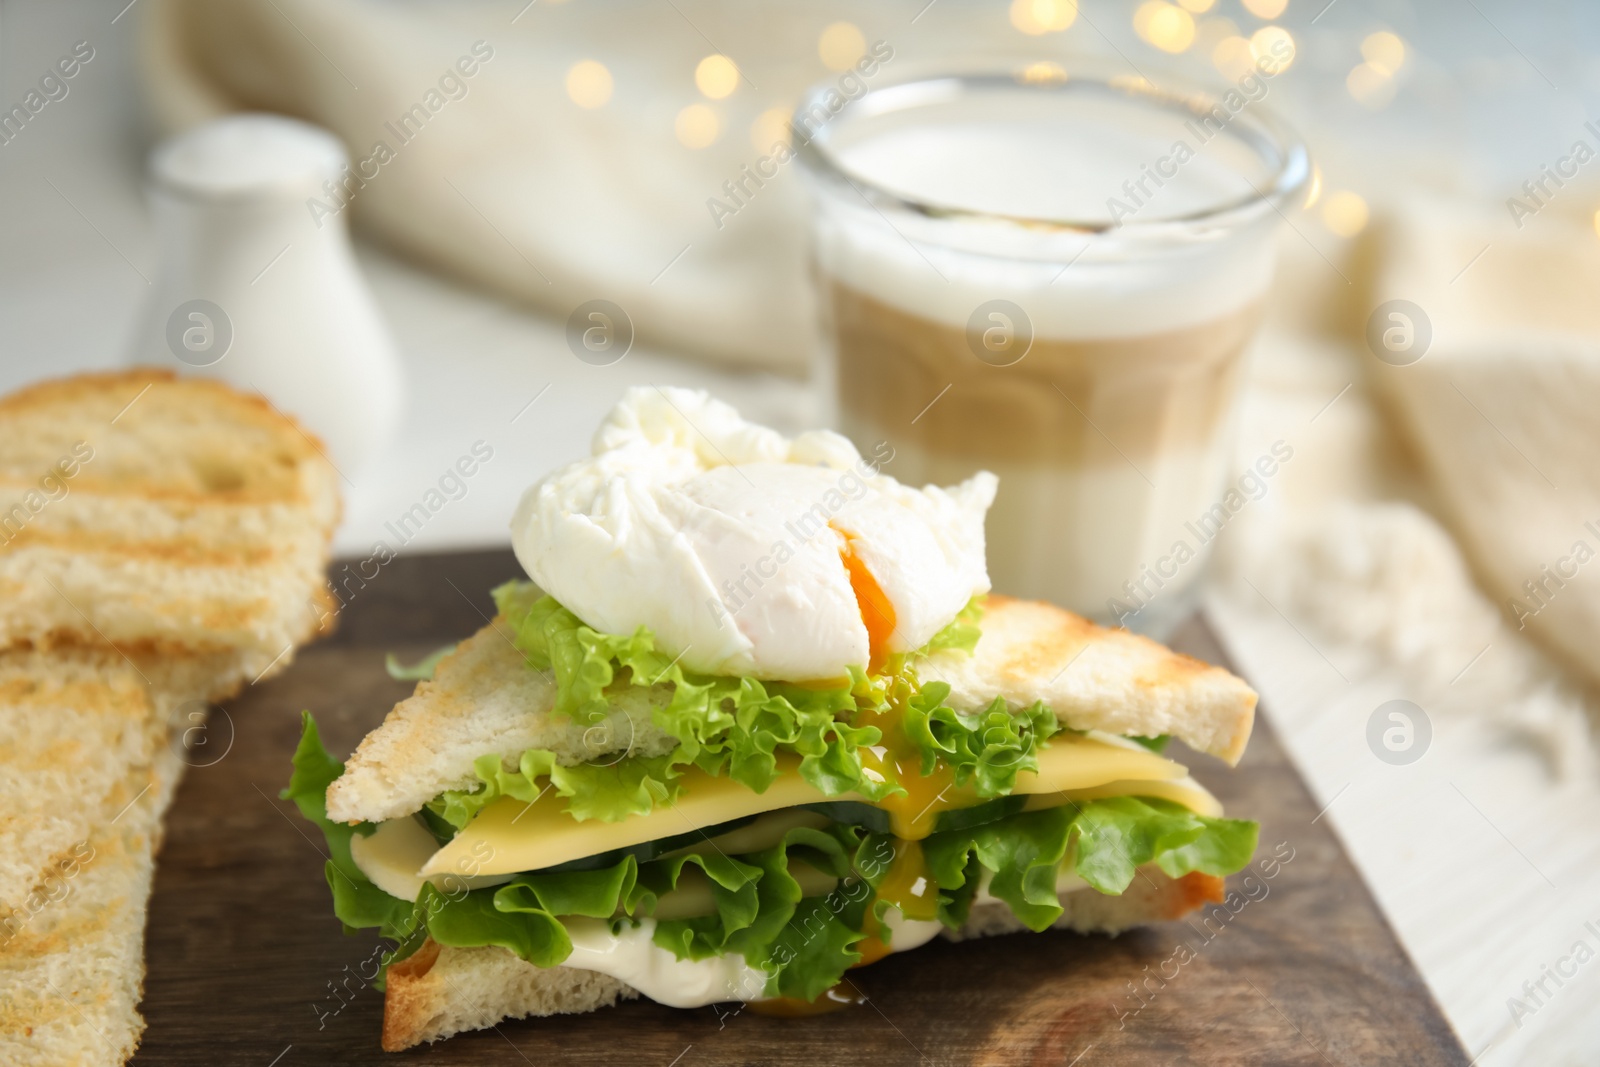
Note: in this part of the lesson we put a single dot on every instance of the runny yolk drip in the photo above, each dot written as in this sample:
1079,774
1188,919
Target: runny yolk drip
877,613
912,814
895,757
907,885
842,995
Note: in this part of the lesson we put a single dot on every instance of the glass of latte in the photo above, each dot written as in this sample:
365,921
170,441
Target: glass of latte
1054,277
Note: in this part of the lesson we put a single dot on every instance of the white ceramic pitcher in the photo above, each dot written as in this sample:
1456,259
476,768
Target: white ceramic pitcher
257,289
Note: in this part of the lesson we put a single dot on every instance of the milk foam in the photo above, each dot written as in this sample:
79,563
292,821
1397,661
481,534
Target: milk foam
1054,159
1057,163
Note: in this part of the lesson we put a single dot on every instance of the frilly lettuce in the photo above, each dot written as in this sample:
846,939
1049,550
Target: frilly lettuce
608,792
356,901
802,944
738,726
1107,839
757,900
962,633
986,750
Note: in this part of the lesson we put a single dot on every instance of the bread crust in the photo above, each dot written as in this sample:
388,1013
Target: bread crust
162,542
441,991
174,514
73,721
1095,678
72,968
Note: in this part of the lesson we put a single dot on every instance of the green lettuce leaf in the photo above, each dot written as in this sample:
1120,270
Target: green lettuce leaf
987,749
1225,847
357,903
524,914
962,633
803,945
1108,839
734,889
737,726
420,671
512,920
608,792
818,944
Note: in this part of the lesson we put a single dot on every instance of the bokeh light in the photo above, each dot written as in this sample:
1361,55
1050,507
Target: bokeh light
1345,213
1044,73
589,83
716,76
1597,223
840,45
1265,9
1166,26
697,126
1198,7
1272,48
1035,17
1384,50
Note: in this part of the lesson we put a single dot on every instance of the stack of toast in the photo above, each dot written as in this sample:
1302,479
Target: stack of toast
163,543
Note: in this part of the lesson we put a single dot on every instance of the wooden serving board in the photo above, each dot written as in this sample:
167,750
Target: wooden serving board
247,964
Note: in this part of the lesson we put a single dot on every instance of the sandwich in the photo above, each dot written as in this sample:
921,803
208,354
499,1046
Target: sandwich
162,544
753,719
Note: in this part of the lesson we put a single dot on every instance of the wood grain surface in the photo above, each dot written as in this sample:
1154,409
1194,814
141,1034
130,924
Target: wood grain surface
247,964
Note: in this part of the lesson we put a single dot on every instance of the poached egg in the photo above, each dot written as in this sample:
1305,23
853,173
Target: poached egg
746,552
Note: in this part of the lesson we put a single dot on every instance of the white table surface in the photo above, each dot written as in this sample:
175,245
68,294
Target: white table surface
75,252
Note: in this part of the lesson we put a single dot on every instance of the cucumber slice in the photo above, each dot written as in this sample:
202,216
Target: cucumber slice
853,812
877,820
987,812
436,825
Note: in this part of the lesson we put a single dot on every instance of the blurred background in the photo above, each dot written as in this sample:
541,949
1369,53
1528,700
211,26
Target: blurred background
1428,543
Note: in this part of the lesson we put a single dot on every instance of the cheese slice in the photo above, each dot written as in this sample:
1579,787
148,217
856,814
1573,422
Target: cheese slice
509,835
392,857
1186,791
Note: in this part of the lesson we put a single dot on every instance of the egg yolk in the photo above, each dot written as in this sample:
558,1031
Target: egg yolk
877,613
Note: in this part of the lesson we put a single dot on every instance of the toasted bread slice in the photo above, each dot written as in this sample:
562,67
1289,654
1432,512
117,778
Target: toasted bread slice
143,510
1096,679
74,723
71,967
162,542
442,991
484,699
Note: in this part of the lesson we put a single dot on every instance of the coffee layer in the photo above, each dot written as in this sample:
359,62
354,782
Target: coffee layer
1119,400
